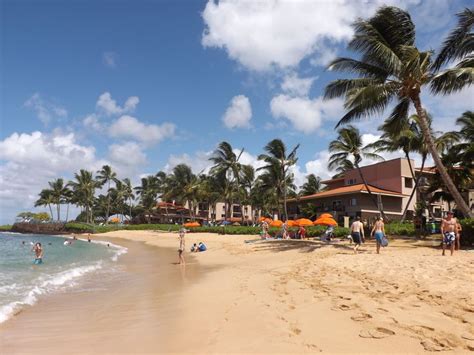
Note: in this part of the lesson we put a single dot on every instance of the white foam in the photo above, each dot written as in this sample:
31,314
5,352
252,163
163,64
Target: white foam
65,278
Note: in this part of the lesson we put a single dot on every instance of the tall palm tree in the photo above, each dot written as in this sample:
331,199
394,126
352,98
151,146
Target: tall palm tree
184,186
128,194
105,176
247,181
279,161
83,188
390,69
349,143
58,191
226,165
311,186
46,199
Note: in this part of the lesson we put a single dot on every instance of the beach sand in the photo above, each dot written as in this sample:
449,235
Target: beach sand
261,297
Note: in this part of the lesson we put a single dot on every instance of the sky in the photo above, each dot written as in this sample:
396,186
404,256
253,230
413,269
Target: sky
145,85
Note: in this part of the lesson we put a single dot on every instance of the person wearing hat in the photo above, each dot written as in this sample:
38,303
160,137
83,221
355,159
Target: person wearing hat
449,231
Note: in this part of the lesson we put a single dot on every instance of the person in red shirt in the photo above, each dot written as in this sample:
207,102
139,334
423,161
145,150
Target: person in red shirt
302,232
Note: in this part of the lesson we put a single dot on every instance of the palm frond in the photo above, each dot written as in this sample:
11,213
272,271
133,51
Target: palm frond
459,42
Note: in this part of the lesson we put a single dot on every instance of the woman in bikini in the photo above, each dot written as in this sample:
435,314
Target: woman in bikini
378,232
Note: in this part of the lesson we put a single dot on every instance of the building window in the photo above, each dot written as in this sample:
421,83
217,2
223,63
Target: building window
351,181
408,182
353,202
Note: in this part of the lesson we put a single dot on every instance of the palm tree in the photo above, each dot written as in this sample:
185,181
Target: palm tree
278,164
58,191
226,165
184,186
349,143
106,176
247,181
128,194
311,186
84,188
392,68
46,199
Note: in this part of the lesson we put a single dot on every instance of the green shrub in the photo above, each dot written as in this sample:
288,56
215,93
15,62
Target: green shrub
398,228
75,227
5,227
467,236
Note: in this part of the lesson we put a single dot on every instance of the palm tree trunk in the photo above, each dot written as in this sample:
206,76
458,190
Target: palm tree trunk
417,181
460,203
108,205
284,194
67,212
51,211
130,209
370,192
58,211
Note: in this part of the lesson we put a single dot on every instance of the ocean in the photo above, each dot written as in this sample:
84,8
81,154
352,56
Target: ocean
64,266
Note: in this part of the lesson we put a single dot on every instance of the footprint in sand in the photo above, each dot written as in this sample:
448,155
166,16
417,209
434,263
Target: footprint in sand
361,317
376,333
342,307
435,345
467,336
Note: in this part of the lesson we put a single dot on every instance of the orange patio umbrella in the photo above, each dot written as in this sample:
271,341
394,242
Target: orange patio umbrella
325,222
292,223
305,222
192,224
325,215
276,223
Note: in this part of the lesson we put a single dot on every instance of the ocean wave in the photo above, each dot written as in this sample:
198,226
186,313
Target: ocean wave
51,284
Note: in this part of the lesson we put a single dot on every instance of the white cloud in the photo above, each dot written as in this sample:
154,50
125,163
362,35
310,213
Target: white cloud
296,86
44,109
305,115
128,155
92,121
199,161
323,58
239,113
264,34
31,160
110,59
109,106
130,127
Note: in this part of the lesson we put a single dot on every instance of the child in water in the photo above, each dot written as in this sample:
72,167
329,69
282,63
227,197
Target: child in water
38,253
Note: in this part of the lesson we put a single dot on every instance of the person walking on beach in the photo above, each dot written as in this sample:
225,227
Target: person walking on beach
265,230
284,230
449,232
378,231
38,253
458,235
357,233
182,246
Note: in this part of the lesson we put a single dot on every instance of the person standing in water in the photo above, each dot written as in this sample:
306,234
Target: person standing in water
357,233
449,232
182,246
378,231
38,253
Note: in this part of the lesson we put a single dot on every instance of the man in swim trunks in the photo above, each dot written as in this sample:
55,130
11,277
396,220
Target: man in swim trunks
449,232
357,233
182,246
378,232
38,253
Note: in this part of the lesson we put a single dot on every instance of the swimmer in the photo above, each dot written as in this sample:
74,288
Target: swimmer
38,253
89,237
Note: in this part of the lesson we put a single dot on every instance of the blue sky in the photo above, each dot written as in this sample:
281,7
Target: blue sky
145,85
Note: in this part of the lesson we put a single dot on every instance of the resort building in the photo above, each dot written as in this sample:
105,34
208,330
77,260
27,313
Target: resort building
391,183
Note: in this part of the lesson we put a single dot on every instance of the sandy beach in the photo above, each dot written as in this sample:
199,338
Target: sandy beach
259,297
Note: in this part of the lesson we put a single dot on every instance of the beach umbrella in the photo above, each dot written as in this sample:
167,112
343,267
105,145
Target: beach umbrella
276,223
325,222
292,223
325,215
192,224
304,222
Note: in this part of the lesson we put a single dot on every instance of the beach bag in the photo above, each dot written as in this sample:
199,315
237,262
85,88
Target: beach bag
384,241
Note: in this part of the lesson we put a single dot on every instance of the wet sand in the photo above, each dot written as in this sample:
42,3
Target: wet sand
276,296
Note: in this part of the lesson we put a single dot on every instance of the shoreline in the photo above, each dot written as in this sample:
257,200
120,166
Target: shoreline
278,296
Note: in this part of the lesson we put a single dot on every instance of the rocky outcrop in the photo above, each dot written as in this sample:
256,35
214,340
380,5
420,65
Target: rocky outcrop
39,228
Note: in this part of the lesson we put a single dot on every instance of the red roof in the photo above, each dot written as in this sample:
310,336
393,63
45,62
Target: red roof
356,188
